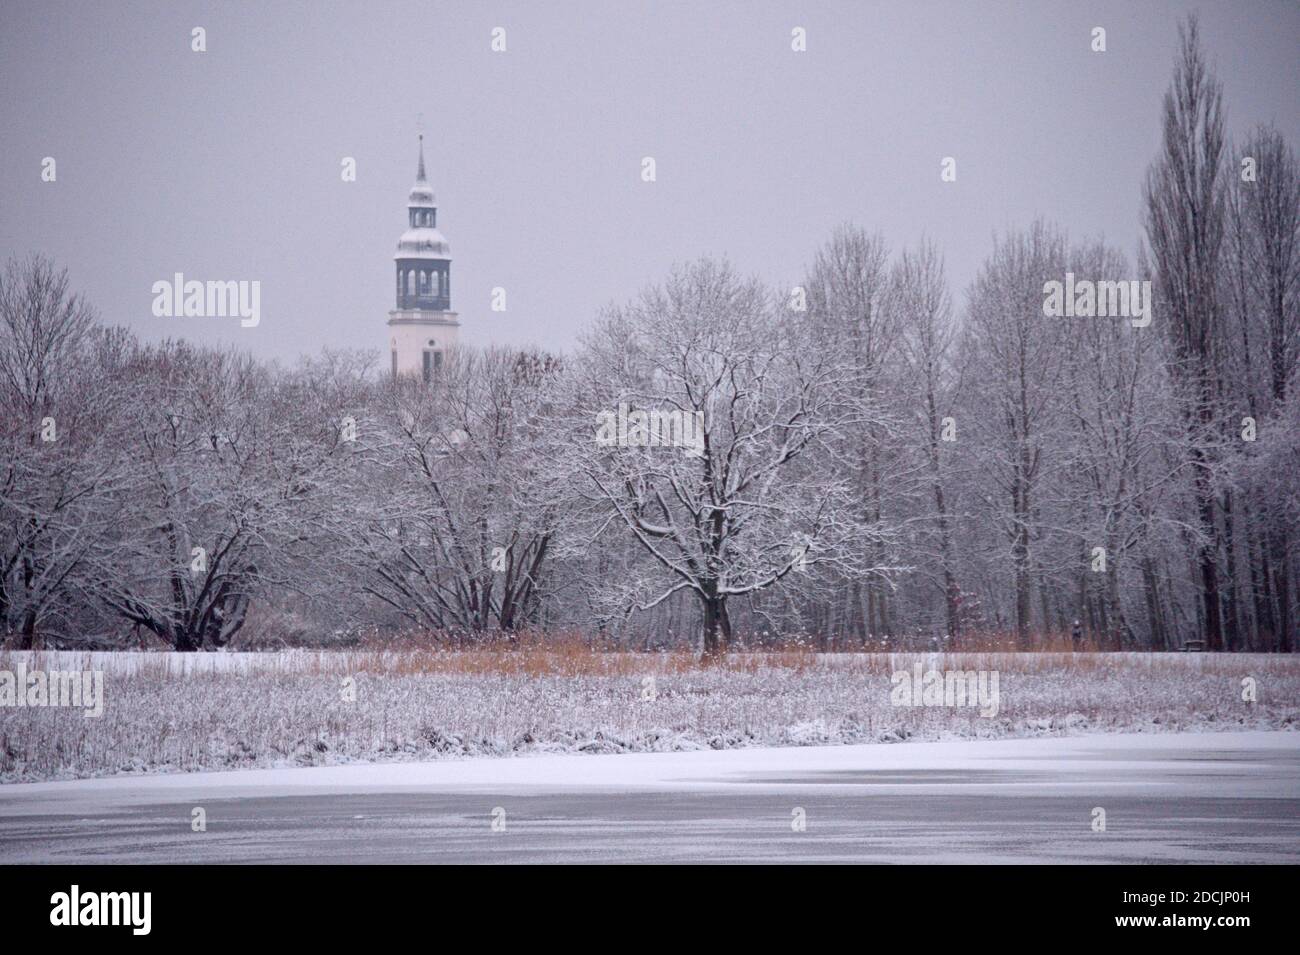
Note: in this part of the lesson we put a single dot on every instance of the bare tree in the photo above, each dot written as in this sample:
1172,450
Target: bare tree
755,498
847,290
1261,281
1121,453
1184,213
57,462
919,296
454,526
1013,358
223,475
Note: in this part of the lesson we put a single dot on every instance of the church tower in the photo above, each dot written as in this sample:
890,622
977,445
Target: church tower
422,328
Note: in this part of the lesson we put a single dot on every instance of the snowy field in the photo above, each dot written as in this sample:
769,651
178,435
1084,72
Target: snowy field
166,713
1172,797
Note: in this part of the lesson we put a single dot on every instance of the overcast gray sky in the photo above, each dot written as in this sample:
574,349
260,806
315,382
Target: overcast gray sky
226,164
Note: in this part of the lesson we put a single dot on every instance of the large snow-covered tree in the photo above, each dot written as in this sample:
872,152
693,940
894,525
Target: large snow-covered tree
60,447
452,526
225,481
1012,377
755,495
1184,218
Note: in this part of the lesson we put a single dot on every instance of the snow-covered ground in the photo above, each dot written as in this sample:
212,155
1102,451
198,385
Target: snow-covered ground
190,712
1171,797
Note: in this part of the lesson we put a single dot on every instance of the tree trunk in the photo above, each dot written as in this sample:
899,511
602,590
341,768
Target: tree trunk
1232,633
1020,562
27,636
717,627
1151,591
1282,562
1207,560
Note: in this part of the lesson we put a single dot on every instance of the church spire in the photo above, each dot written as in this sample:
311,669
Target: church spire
422,326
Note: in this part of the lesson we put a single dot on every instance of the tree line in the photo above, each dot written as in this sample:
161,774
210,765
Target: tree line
875,465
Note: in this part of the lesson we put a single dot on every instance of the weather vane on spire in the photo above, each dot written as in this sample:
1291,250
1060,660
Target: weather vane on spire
419,125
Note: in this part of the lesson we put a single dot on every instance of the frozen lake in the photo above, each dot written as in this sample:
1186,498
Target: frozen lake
1207,798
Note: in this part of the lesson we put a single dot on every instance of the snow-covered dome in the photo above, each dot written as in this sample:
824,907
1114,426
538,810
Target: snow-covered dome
421,195
422,240
423,243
